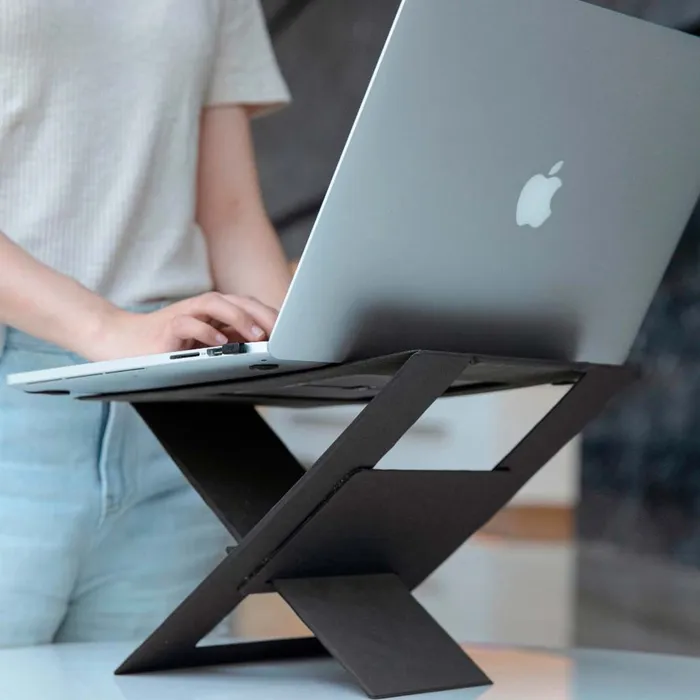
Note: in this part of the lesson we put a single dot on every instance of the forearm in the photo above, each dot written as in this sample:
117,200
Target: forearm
246,256
46,304
248,260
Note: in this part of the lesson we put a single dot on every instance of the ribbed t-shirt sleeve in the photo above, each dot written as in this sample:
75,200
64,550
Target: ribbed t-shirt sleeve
245,69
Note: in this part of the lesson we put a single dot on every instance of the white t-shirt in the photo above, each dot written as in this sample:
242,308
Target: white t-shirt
100,104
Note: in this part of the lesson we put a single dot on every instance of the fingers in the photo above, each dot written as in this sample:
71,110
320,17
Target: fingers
189,328
249,318
214,319
265,315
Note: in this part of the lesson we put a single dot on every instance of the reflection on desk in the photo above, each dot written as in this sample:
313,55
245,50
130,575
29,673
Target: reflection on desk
85,672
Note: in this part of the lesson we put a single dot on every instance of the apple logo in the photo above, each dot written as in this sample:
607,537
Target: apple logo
535,202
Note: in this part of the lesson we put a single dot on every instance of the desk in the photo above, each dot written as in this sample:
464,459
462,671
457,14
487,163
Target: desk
84,672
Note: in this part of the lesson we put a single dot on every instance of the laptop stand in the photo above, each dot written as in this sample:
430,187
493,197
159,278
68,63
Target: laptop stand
342,543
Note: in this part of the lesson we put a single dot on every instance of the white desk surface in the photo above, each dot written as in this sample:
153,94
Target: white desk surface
84,672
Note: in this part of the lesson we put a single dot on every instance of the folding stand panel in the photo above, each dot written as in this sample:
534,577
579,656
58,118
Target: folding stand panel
385,639
342,543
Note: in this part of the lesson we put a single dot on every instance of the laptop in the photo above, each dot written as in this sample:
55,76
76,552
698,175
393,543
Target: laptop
515,184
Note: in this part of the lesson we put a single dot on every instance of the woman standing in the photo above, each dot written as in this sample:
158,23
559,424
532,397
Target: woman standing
132,223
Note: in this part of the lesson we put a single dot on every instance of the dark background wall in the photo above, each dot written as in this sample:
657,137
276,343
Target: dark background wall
327,50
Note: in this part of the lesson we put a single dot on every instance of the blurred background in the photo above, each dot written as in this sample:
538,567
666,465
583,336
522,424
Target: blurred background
603,547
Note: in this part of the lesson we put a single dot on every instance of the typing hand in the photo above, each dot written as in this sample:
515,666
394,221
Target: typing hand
205,320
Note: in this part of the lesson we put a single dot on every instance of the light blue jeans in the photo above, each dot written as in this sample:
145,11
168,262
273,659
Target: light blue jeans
100,535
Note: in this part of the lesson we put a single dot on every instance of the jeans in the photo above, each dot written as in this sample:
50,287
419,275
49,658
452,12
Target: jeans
100,535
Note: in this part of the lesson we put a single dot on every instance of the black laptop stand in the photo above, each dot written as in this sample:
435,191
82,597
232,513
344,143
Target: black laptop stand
342,543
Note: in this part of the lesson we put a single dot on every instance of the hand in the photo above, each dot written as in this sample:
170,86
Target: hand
207,320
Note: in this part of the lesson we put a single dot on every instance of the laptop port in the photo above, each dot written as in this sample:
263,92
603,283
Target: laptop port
228,349
232,348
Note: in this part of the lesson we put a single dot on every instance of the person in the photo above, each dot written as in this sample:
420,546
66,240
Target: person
132,223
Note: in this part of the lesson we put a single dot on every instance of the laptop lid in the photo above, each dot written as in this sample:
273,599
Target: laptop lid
515,183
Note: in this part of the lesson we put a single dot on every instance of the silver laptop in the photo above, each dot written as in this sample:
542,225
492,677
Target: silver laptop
515,184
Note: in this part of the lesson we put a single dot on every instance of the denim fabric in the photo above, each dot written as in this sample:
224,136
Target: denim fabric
100,535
